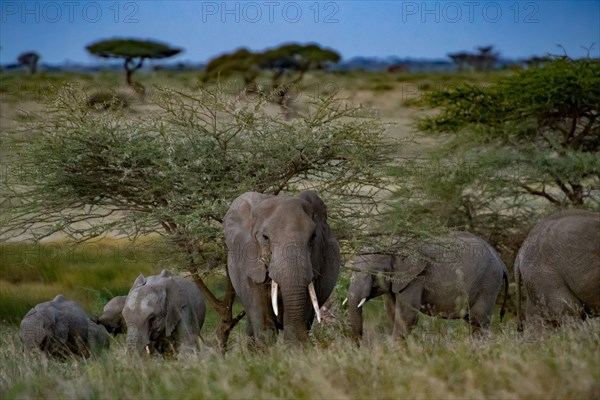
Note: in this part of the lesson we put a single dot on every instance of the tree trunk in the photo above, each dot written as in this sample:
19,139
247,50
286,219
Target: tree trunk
223,307
128,71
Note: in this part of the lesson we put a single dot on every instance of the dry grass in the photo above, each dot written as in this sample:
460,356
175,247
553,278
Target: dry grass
564,363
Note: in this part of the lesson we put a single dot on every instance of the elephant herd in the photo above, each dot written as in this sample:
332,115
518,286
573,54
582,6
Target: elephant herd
284,262
161,313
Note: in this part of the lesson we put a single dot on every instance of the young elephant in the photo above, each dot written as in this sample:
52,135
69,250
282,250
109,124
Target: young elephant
61,328
559,263
459,278
163,312
112,315
98,337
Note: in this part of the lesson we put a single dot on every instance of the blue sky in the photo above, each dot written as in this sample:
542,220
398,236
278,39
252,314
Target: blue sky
59,30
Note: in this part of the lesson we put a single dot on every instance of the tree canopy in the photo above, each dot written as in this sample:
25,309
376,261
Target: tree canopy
484,60
132,51
515,148
287,65
30,60
241,62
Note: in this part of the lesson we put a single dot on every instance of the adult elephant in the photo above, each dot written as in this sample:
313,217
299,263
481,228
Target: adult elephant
283,262
112,315
458,277
61,328
559,264
163,313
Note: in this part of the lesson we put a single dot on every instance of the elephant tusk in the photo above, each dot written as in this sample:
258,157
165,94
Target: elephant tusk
345,301
361,302
314,301
274,288
148,349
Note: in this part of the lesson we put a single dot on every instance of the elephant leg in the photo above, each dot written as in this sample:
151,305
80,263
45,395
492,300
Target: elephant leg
186,335
480,314
408,302
260,325
390,308
555,306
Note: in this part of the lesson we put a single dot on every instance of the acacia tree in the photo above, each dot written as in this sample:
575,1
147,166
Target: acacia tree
286,64
484,60
241,62
529,142
30,60
174,172
289,63
132,51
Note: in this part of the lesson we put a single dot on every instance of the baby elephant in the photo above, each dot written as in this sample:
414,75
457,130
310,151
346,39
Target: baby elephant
459,277
163,312
112,315
61,328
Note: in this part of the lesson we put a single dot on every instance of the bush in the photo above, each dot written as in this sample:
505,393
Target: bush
108,100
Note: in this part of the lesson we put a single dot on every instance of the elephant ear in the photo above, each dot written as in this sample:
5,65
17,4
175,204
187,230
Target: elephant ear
406,269
325,255
165,273
139,281
244,250
57,319
319,209
176,300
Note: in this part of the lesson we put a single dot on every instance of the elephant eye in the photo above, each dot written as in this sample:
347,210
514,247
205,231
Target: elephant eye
265,237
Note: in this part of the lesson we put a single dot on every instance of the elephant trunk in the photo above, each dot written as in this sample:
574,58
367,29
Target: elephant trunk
295,304
137,340
355,304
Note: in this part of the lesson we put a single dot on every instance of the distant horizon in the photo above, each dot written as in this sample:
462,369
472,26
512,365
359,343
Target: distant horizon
168,61
59,31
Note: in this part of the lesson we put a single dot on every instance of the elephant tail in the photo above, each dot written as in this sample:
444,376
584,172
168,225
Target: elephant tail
503,308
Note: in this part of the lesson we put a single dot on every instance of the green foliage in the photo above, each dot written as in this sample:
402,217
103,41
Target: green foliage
242,62
30,60
286,64
131,48
134,52
89,273
297,57
444,364
556,103
103,100
517,147
175,171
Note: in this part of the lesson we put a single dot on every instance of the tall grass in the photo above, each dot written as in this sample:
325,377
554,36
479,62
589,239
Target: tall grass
89,273
563,363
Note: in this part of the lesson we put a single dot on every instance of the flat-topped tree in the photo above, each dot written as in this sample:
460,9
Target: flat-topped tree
241,62
30,60
299,57
132,51
287,64
290,62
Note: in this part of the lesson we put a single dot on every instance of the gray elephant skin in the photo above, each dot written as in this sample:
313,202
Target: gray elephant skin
112,315
283,262
163,313
61,328
559,265
457,277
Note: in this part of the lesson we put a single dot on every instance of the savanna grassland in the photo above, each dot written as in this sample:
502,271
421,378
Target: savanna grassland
440,360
